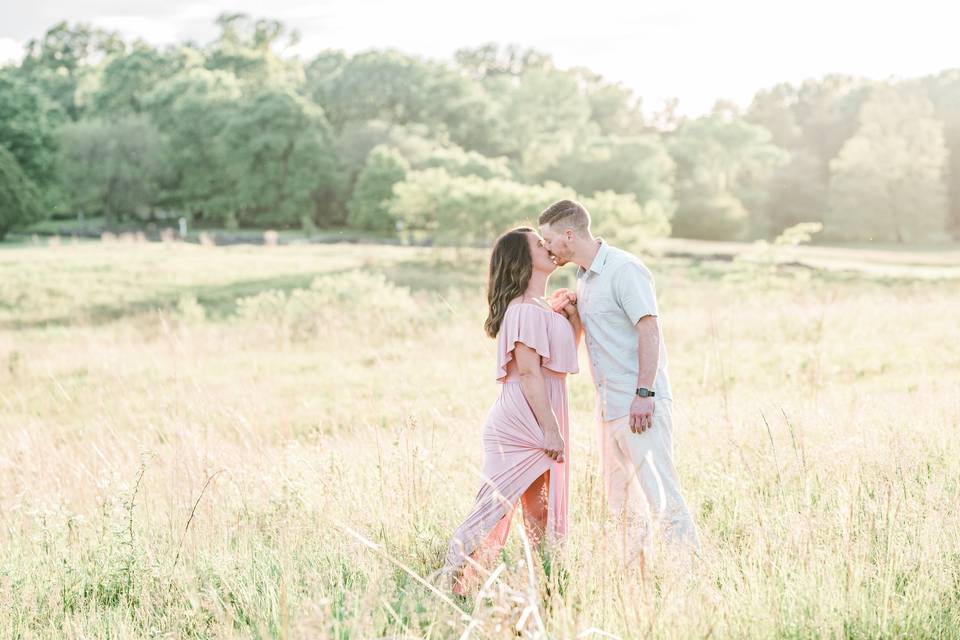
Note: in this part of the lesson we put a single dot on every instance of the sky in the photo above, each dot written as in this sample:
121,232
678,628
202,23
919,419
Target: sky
697,51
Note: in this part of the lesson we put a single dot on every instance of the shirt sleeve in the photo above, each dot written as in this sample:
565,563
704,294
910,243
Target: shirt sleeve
634,290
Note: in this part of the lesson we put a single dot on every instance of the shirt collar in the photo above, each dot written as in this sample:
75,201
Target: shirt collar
598,260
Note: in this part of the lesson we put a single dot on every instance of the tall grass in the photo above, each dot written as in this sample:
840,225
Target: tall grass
226,442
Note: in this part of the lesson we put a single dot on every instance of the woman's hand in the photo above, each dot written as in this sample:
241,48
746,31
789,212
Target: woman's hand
553,444
565,301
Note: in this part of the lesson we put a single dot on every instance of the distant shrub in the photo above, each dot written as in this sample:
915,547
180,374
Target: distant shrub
764,262
366,302
189,310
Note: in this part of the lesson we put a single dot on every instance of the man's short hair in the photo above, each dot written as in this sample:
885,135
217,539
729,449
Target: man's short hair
568,213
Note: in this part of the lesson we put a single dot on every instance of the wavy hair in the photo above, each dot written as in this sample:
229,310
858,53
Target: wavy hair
511,266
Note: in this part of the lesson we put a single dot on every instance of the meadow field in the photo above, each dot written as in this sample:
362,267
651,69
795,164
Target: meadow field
237,442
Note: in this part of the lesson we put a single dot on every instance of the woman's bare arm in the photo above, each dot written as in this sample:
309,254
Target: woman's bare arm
535,391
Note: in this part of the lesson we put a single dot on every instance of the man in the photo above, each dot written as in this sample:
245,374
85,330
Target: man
628,359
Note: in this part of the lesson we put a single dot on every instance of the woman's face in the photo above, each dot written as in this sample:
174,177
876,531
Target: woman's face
539,254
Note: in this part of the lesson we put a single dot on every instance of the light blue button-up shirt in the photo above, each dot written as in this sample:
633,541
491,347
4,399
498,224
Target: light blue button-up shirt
612,295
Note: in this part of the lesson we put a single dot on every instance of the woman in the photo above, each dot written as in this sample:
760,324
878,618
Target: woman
526,454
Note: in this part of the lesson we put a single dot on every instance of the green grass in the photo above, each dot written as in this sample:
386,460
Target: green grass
175,463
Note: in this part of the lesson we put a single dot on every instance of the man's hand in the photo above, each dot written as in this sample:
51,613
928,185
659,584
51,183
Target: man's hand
641,414
560,298
571,311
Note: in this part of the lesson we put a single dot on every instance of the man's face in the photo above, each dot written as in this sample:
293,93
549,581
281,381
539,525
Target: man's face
558,244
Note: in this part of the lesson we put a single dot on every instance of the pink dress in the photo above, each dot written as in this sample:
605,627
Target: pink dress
513,439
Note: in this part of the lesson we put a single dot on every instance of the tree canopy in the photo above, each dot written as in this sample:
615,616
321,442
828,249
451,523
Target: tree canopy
240,132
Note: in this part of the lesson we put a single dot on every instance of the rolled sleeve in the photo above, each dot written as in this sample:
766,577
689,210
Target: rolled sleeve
634,290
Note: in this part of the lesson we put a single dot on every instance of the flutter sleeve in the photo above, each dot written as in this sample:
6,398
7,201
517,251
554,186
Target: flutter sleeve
522,323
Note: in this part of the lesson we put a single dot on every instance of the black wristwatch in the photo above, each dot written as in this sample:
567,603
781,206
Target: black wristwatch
643,392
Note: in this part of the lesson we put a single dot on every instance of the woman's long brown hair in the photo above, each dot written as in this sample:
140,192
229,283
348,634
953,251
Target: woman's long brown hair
511,266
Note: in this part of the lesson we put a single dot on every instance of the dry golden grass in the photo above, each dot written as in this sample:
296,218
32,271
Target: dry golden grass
173,464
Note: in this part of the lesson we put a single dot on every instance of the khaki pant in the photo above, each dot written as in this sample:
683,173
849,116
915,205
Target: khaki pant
642,488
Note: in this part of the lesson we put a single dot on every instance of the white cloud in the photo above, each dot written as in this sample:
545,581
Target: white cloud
10,50
148,29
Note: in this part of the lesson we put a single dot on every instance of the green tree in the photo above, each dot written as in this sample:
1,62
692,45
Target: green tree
395,88
423,149
827,112
796,193
19,198
420,146
817,117
128,77
723,163
369,206
380,85
63,64
27,128
459,162
944,92
112,167
469,209
246,47
322,75
542,119
811,121
356,140
888,179
276,154
640,165
615,109
775,109
192,109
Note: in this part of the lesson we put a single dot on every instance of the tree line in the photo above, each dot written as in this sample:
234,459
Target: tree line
235,133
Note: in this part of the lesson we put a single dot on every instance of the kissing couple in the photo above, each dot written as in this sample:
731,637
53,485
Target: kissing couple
526,437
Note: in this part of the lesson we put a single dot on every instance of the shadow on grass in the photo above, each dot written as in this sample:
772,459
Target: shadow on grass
432,273
421,273
220,301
